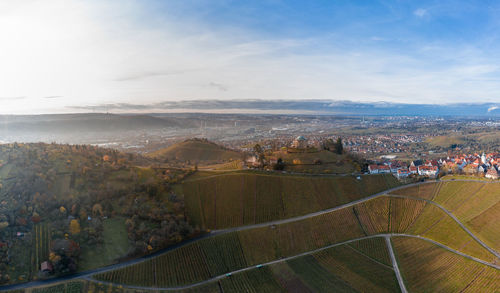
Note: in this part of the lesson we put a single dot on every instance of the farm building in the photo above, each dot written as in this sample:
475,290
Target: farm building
46,267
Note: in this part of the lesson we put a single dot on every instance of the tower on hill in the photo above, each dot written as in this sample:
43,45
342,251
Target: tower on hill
300,142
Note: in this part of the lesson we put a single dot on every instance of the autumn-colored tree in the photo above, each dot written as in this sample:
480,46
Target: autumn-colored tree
83,215
35,218
4,225
21,222
74,227
74,210
97,209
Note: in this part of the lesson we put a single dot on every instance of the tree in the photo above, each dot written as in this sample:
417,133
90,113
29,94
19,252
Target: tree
74,227
260,154
280,165
257,148
97,209
339,147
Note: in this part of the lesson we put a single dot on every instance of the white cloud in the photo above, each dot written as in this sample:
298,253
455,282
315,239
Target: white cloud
493,108
420,12
95,52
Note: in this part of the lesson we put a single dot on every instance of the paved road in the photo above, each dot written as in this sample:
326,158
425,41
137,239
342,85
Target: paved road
395,264
88,274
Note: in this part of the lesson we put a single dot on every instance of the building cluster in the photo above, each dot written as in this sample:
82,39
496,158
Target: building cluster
401,170
487,165
376,144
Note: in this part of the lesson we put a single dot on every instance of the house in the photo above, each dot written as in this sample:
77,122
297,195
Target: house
492,174
373,169
416,163
395,168
253,161
403,173
428,171
46,267
384,169
413,170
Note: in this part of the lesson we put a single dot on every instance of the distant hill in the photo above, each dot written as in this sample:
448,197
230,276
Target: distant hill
196,150
89,122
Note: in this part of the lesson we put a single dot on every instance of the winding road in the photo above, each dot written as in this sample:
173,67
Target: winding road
87,275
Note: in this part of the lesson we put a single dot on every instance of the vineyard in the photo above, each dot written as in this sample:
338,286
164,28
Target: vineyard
362,265
425,191
218,255
41,246
476,204
237,199
428,268
453,194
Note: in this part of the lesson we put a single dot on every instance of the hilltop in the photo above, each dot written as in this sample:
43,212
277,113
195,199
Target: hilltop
194,151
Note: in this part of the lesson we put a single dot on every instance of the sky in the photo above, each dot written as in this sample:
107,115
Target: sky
72,55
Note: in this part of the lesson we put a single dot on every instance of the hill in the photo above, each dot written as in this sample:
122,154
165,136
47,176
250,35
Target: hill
196,151
81,207
446,141
321,161
86,123
344,249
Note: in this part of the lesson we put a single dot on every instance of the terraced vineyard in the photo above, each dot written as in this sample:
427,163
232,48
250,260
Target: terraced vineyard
239,199
234,251
475,204
429,268
346,249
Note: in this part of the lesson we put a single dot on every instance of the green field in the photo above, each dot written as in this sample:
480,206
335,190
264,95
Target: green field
237,199
115,245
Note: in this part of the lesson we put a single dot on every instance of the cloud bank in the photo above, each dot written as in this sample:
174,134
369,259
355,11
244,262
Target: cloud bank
152,52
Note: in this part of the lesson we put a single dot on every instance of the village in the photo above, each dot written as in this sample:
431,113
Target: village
484,165
480,165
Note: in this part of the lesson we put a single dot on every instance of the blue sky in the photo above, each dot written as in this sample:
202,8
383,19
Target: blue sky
62,53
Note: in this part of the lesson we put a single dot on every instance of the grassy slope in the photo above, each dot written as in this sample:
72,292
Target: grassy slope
196,151
237,199
446,141
115,245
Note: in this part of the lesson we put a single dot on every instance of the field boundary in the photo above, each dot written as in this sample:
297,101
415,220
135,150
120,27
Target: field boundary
395,266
